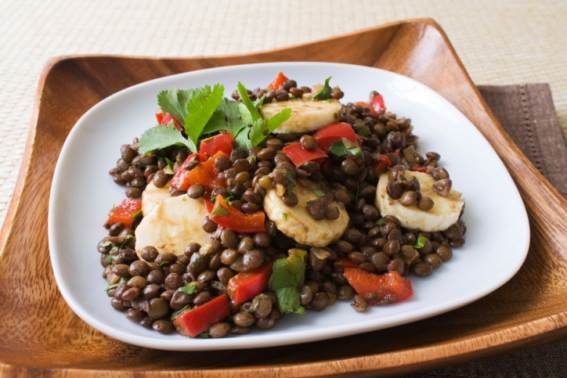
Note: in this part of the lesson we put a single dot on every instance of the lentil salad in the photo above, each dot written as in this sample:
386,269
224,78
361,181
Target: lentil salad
278,201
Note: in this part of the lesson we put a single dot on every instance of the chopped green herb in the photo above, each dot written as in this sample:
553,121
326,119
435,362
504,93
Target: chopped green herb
260,128
180,311
325,92
163,263
160,137
381,222
318,192
203,335
169,166
190,288
227,117
219,210
122,281
362,129
109,258
421,241
285,215
342,148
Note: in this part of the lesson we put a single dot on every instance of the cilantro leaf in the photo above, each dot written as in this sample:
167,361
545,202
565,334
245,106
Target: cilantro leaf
174,102
325,92
342,149
227,117
289,300
200,108
261,128
160,137
252,109
190,288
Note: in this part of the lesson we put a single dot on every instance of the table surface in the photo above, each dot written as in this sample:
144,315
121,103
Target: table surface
500,42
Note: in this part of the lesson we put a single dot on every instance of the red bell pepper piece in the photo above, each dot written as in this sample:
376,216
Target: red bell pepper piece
419,168
125,213
234,219
278,81
197,320
247,285
387,288
332,133
164,118
210,146
377,105
204,173
298,155
384,162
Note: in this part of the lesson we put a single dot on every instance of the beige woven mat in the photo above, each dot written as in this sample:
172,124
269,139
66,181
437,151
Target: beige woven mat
500,42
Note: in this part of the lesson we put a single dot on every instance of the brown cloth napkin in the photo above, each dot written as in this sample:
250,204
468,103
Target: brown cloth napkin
528,115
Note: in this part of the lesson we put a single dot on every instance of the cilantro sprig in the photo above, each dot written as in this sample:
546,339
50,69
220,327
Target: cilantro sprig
325,92
205,111
260,127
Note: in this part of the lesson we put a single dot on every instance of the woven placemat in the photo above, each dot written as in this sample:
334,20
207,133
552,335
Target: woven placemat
500,42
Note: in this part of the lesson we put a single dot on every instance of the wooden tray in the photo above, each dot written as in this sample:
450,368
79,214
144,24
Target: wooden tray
40,334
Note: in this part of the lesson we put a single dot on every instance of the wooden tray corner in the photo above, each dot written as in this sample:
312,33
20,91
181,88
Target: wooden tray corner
41,334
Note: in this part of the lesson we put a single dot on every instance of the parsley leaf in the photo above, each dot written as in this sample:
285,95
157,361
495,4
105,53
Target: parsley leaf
342,149
288,275
325,92
200,108
160,137
318,192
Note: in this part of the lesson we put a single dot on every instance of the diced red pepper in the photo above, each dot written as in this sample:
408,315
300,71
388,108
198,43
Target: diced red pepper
386,288
125,213
210,146
377,105
204,173
332,133
164,118
197,320
247,285
278,81
384,162
235,219
299,155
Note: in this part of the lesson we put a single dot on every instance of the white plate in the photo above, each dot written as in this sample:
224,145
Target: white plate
82,193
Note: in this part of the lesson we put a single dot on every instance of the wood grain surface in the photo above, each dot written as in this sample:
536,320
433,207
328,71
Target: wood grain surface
41,336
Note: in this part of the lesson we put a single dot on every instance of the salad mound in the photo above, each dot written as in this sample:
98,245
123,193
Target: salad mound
276,201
